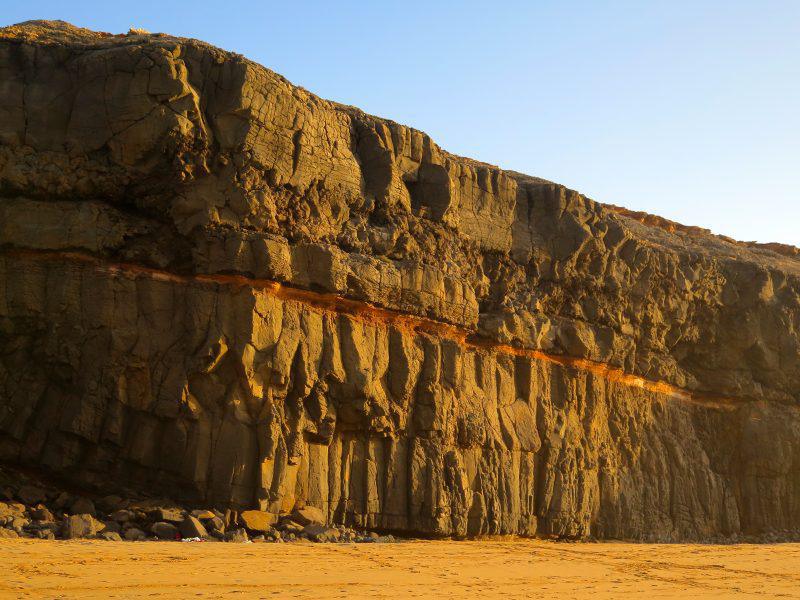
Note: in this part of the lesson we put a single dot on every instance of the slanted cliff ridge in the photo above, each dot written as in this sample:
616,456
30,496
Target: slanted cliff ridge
217,285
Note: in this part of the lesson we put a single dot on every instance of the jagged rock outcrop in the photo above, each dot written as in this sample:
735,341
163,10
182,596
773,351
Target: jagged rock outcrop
215,285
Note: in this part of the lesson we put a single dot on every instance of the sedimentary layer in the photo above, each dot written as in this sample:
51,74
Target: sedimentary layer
216,285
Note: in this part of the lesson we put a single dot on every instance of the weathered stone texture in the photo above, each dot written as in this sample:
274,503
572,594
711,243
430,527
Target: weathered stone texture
158,196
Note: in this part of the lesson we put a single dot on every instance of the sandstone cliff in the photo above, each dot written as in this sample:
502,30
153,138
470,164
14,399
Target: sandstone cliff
216,285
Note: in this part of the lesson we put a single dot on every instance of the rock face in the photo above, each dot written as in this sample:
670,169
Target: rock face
215,285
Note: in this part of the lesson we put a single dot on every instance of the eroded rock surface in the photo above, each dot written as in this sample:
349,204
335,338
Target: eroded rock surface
215,285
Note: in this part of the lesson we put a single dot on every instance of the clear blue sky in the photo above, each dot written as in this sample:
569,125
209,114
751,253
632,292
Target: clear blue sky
687,109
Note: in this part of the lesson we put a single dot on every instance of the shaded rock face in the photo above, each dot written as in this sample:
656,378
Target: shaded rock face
217,286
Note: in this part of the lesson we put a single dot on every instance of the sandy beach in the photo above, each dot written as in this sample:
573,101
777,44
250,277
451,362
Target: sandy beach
418,569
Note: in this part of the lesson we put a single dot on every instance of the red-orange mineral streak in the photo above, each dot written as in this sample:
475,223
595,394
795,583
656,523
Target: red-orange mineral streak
383,317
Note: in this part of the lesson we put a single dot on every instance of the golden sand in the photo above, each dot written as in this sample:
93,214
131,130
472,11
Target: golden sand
419,569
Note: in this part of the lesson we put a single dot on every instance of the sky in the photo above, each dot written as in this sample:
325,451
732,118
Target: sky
686,109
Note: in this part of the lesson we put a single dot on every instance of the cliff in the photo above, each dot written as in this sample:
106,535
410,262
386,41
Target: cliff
216,285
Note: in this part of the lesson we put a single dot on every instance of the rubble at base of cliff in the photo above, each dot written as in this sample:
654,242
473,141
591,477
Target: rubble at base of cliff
30,508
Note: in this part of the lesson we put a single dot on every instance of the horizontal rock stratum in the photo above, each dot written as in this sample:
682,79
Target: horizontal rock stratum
217,286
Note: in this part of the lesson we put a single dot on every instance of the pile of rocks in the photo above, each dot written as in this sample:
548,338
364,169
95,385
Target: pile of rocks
36,511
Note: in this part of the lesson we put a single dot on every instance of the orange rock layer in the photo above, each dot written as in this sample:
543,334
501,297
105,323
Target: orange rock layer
378,316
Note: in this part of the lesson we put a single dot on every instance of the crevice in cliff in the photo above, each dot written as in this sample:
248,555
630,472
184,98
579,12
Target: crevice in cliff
378,316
